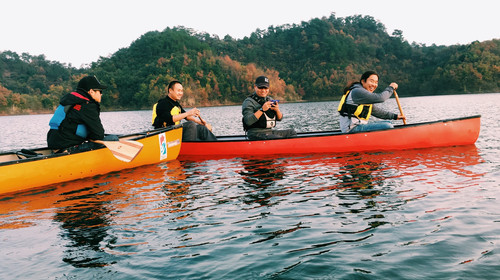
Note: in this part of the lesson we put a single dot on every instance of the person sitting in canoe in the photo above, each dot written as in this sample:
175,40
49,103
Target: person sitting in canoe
261,112
76,119
168,111
357,105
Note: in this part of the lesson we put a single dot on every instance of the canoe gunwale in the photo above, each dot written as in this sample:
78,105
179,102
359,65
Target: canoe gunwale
328,133
133,136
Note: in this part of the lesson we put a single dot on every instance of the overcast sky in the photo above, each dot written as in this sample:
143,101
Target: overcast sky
79,32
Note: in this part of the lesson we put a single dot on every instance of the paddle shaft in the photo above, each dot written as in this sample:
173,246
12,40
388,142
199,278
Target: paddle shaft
399,105
205,123
202,120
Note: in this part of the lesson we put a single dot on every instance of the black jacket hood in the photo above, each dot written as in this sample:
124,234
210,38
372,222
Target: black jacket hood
80,97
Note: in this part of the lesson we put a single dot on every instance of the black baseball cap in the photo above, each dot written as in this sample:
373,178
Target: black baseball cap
90,82
262,81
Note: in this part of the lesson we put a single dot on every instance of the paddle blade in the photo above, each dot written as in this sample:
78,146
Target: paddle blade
124,150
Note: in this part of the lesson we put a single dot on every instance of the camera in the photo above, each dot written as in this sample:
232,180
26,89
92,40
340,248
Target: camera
274,102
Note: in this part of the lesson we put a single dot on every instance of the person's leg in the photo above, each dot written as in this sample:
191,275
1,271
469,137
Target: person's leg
189,131
285,133
259,134
85,146
381,125
204,134
265,134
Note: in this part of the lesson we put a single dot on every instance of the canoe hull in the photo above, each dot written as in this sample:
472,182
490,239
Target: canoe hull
453,132
31,173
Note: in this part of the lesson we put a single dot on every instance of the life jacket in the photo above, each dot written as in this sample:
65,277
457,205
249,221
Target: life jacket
60,115
362,112
154,114
175,111
268,118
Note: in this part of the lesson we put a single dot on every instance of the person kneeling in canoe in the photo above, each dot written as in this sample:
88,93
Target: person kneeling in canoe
261,112
168,111
357,105
76,120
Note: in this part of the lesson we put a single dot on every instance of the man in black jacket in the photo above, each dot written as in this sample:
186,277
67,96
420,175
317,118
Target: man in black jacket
168,111
76,119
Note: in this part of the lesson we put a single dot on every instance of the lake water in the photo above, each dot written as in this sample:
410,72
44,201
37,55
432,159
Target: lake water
416,214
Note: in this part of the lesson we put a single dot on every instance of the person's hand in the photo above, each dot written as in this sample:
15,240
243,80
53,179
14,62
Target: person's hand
402,117
394,86
267,106
193,112
275,106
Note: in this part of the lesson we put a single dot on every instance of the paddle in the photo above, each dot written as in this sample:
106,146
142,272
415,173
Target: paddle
399,105
124,150
205,123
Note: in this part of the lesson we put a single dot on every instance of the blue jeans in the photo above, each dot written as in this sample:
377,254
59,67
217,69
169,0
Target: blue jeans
381,125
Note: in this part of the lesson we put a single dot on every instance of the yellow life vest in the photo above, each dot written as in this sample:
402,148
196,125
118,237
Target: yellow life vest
175,111
154,113
362,112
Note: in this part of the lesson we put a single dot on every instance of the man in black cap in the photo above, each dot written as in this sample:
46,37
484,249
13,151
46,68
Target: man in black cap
76,119
260,113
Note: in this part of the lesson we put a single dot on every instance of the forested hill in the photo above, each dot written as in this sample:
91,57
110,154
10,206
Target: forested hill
311,61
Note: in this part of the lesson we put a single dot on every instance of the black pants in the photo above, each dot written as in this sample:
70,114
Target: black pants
192,131
267,133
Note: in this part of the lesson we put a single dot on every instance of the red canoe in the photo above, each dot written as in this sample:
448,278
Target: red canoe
450,132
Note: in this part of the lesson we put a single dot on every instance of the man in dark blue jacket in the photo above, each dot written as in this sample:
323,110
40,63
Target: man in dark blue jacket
76,120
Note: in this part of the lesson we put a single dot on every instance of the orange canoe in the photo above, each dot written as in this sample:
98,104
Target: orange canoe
20,171
450,132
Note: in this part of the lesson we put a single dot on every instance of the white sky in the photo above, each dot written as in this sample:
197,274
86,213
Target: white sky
79,32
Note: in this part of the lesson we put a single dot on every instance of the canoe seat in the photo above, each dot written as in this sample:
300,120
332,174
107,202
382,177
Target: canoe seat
25,153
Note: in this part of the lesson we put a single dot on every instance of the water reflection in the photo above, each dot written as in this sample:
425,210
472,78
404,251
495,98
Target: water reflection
358,176
360,183
85,223
259,176
177,189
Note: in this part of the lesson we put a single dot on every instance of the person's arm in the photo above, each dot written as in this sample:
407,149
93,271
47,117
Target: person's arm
362,96
194,119
276,108
89,114
189,115
250,111
383,114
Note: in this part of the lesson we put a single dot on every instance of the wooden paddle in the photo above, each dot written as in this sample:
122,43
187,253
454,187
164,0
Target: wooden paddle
399,105
124,150
205,123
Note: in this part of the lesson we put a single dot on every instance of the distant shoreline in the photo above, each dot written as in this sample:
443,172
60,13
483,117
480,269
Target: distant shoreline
46,112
